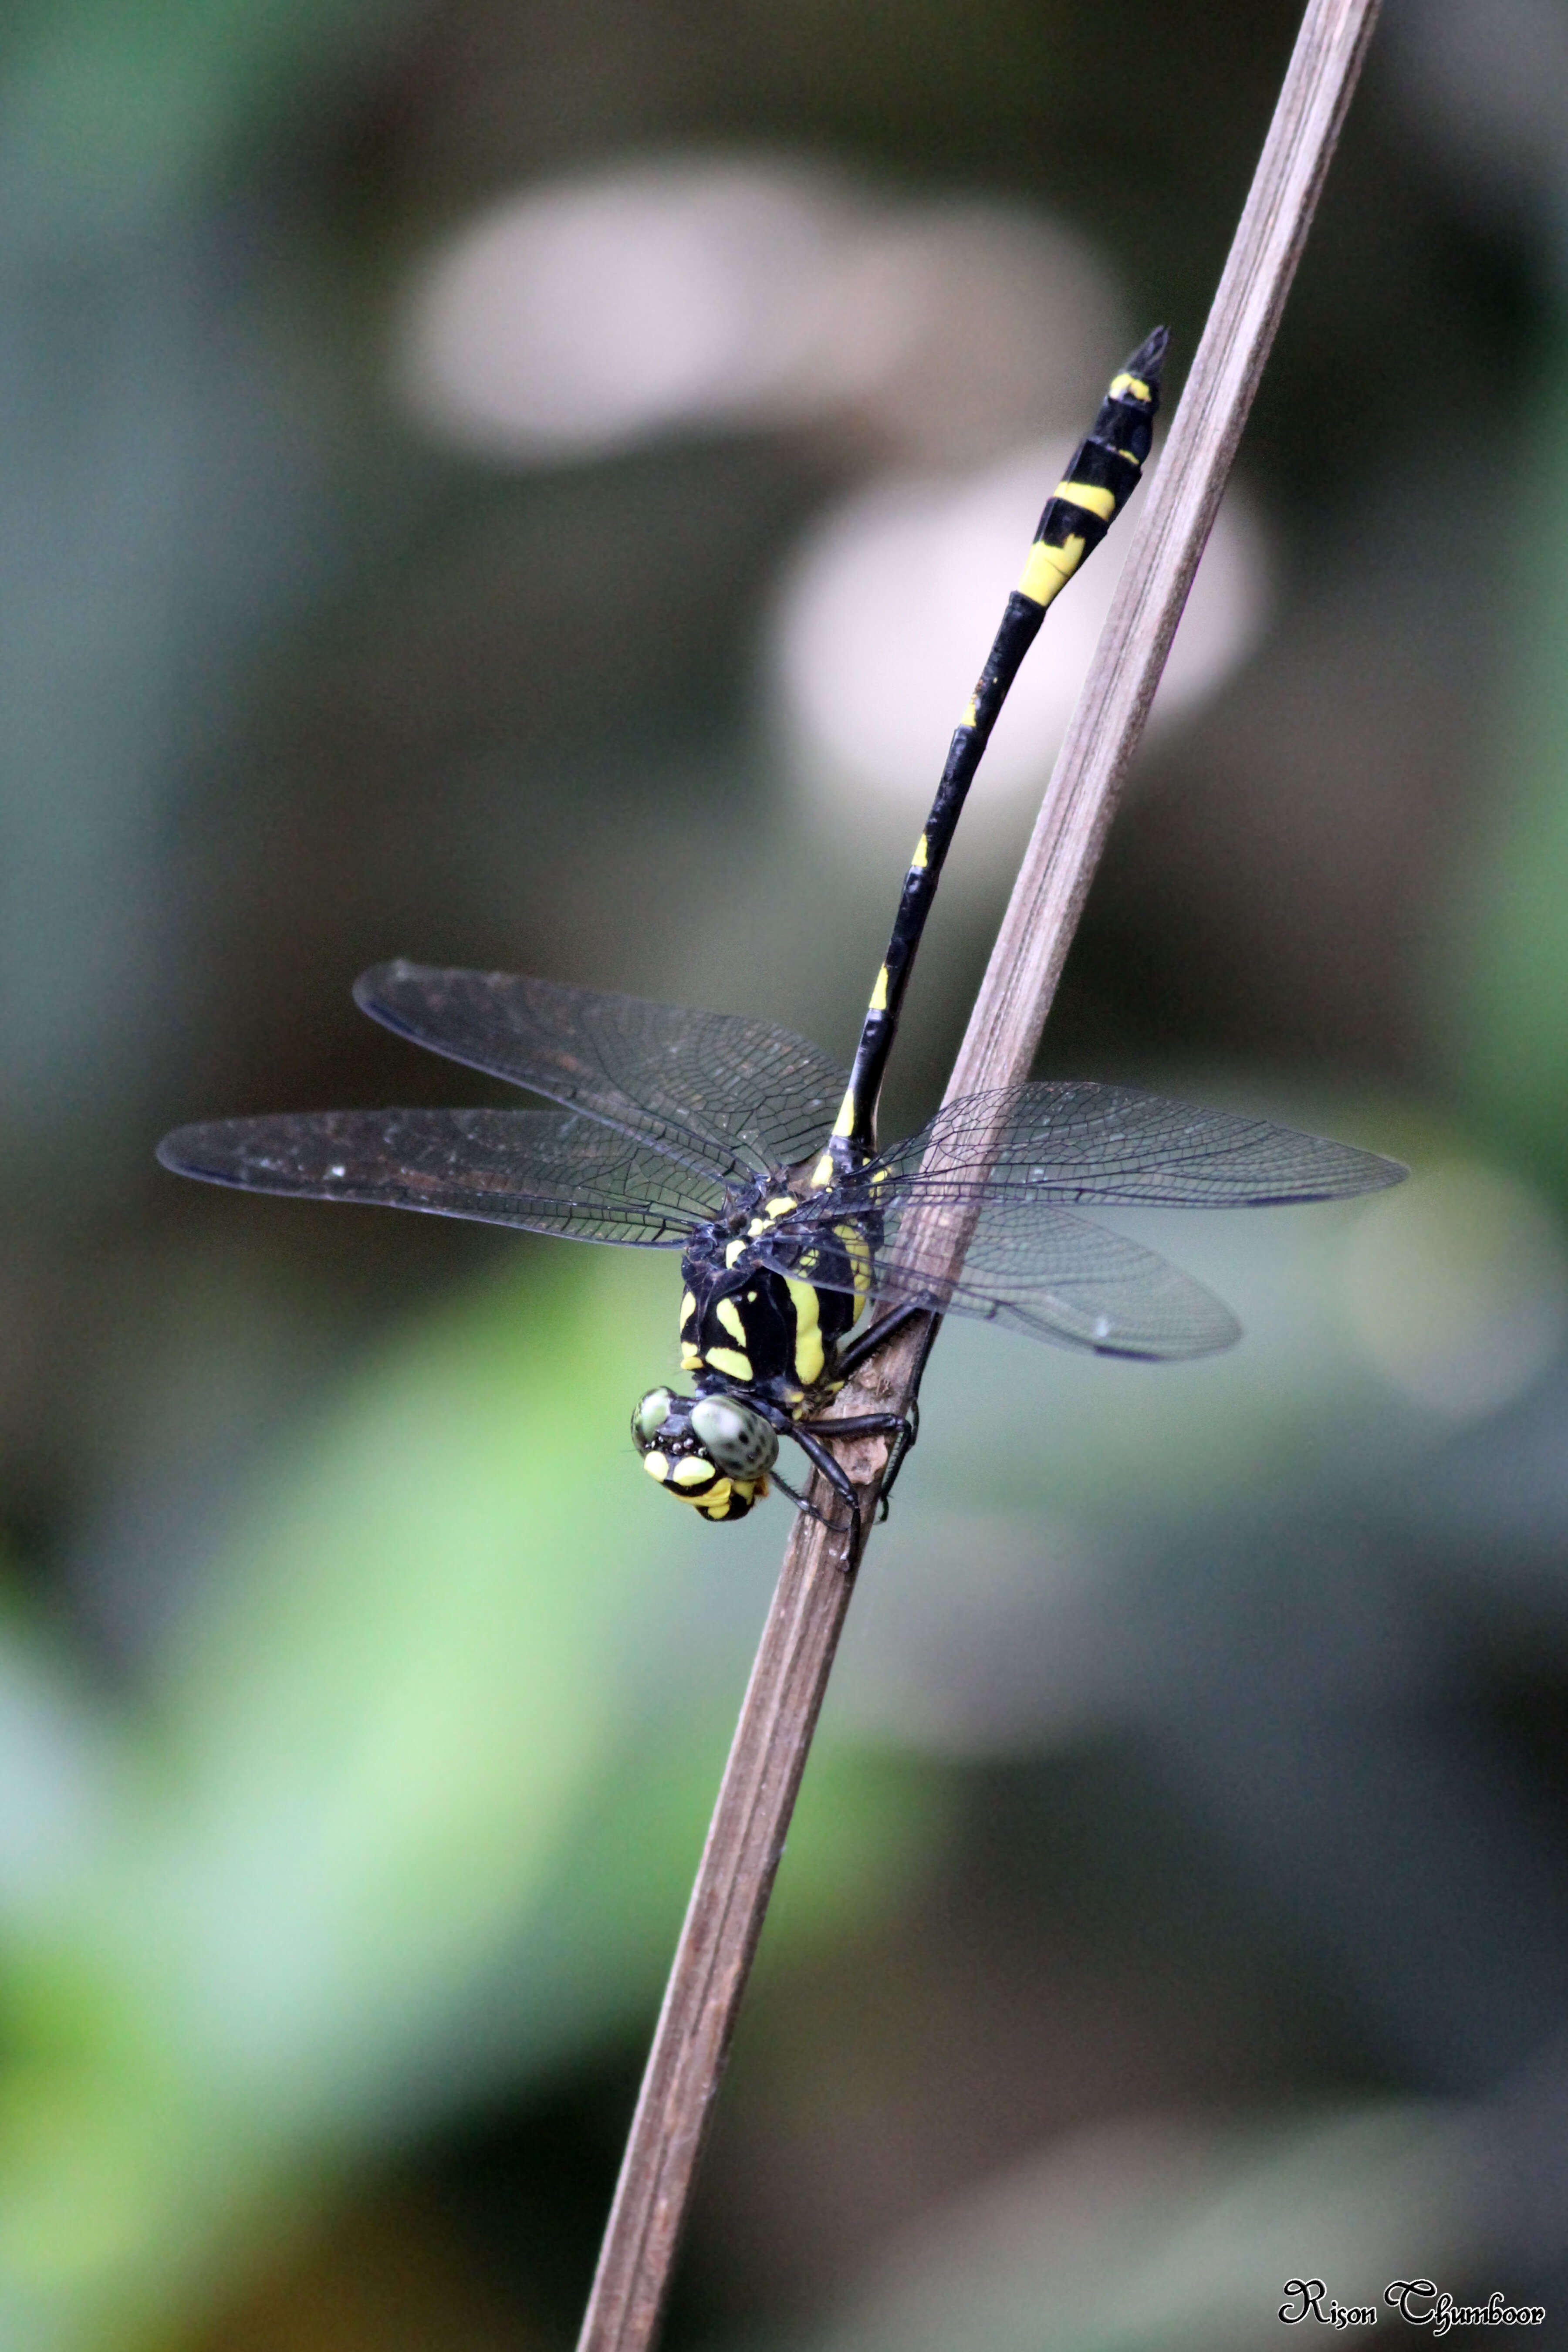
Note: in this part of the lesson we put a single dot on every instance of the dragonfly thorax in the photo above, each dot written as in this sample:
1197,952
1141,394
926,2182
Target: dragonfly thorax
752,1325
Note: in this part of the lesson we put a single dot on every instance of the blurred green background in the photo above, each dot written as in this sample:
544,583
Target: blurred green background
528,484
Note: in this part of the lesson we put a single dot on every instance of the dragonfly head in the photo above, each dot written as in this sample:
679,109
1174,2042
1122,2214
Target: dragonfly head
714,1452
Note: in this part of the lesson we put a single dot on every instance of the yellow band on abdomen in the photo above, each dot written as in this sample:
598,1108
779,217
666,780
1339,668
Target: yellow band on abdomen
1098,502
1050,569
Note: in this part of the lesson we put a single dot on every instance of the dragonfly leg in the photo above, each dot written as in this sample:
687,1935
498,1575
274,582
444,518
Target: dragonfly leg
902,1428
834,1472
854,1424
799,1500
877,1336
902,1446
818,1455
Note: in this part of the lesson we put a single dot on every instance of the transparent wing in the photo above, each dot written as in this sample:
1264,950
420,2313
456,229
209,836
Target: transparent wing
547,1173
1030,1263
725,1095
1078,1141
1033,1266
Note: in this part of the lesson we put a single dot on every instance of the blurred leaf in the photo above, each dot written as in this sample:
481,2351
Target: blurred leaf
422,1789
59,1763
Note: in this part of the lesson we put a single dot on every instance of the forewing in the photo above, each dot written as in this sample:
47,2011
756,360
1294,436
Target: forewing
537,1170
1081,1142
1034,1267
729,1097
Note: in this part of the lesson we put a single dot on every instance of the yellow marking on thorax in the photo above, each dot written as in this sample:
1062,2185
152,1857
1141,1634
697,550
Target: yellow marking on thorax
918,862
779,1205
1120,385
688,1309
809,1354
1050,569
728,1314
734,1251
731,1360
858,1250
690,1357
1099,501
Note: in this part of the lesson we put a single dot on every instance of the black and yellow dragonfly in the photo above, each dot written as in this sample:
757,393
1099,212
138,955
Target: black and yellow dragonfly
755,1155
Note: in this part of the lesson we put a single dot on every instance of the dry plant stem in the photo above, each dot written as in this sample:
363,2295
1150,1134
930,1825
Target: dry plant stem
768,1756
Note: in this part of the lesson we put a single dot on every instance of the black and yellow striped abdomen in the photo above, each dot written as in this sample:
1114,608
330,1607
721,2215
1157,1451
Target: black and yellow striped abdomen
1104,471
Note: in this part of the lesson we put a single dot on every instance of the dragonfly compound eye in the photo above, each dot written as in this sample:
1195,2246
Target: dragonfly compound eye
734,1436
649,1417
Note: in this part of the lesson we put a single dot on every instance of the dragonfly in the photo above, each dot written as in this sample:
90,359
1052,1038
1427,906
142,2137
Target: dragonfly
805,1247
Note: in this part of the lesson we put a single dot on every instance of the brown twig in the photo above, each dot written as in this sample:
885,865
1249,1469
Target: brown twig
790,1674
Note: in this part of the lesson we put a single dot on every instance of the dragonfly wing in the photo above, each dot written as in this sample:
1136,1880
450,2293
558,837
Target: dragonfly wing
1033,1266
1081,1142
729,1097
537,1170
